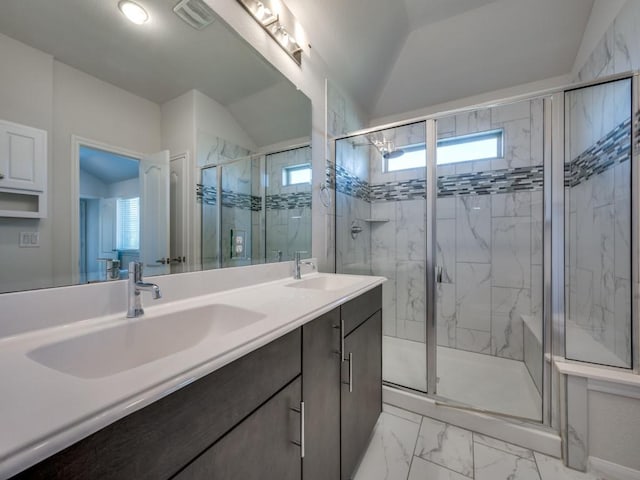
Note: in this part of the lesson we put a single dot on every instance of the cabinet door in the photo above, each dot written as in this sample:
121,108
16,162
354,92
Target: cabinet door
23,157
362,403
261,447
321,395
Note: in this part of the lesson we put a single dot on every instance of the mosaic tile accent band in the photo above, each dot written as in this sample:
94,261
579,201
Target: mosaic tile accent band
288,201
607,152
351,185
208,195
520,179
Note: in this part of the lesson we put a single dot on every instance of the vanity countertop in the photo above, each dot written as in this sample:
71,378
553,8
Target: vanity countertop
44,410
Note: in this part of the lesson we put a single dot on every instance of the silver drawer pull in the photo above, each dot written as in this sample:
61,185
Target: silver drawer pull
350,382
301,442
342,340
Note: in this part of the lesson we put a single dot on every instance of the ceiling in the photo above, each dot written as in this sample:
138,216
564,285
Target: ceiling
160,60
395,56
108,167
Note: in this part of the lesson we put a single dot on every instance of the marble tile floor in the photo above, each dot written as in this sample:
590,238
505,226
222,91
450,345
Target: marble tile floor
408,446
482,381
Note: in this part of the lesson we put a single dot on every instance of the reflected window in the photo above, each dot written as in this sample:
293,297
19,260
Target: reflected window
128,223
296,174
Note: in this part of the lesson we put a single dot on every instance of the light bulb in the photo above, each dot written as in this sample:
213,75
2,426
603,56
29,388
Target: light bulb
134,12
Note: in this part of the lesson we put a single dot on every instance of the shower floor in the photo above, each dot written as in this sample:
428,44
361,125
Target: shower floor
482,381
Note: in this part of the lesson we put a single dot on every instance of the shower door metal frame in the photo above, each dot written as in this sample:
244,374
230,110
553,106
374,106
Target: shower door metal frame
431,259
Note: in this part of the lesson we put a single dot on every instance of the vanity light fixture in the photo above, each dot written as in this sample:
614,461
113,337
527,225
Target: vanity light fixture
134,12
278,21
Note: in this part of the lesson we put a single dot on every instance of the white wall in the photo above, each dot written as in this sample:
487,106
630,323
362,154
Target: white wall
91,186
88,107
26,97
125,189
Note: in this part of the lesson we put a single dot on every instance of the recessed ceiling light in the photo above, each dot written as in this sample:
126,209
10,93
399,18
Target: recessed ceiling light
133,12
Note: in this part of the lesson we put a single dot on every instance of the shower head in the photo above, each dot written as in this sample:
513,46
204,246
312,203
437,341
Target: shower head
393,154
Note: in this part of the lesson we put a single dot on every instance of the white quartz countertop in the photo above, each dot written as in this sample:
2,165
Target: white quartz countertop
43,410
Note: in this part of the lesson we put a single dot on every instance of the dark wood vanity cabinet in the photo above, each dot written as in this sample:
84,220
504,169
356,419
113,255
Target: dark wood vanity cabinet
265,445
321,393
244,421
361,392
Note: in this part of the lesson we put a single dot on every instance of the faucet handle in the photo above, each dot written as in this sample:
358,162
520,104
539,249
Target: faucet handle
135,270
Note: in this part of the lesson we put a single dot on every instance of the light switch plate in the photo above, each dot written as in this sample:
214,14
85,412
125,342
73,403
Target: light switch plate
29,239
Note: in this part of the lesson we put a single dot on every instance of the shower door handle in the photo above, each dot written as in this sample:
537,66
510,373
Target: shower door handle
439,270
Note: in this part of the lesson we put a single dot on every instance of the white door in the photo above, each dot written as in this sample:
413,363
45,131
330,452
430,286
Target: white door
178,215
107,228
154,213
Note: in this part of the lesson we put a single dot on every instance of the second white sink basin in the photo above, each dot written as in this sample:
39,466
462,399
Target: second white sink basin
325,282
136,342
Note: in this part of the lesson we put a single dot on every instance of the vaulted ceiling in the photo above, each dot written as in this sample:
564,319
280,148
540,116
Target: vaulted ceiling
399,55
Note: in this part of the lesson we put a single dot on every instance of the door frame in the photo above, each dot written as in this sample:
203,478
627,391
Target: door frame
77,142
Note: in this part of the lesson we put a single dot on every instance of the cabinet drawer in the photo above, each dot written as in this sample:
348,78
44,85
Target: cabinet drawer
260,447
356,311
159,440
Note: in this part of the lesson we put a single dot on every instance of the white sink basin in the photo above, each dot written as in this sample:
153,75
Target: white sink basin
136,342
327,283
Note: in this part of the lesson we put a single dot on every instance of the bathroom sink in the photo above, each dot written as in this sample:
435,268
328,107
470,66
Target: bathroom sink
327,283
134,343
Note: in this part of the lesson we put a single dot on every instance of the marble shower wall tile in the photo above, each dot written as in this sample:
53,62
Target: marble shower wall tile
473,340
411,300
410,230
473,228
473,296
446,312
511,252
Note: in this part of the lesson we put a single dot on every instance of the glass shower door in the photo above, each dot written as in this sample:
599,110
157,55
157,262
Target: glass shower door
489,259
380,230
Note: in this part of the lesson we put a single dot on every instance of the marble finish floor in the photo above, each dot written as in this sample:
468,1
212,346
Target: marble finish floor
408,446
482,381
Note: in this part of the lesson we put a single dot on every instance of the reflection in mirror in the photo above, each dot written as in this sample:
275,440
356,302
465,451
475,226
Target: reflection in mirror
263,211
598,223
182,102
288,204
109,214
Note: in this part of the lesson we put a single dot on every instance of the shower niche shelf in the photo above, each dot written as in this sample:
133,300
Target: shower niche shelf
377,220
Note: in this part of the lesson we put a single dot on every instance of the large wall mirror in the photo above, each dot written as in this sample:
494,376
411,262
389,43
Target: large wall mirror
177,146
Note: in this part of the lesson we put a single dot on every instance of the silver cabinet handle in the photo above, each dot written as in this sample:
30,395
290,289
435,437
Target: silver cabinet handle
350,372
301,443
342,340
350,382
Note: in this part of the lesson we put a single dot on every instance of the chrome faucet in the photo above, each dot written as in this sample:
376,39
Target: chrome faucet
298,262
134,287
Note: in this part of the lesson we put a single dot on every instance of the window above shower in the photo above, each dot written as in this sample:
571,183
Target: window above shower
486,145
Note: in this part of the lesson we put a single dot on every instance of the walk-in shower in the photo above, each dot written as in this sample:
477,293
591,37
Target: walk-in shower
456,211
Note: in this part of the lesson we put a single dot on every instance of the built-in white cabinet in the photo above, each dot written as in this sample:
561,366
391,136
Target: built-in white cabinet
23,171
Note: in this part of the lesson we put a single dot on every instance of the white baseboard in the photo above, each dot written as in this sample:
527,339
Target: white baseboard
612,471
